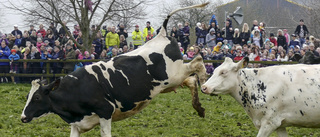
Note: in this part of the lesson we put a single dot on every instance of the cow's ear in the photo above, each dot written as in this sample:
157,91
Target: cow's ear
242,63
52,86
227,59
44,82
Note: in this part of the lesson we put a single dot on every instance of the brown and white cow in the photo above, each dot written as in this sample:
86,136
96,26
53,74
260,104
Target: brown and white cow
110,91
274,97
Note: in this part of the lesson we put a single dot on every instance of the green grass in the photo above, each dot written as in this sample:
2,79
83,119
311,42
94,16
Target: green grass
168,115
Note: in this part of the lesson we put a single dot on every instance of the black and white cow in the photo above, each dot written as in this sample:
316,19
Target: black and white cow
113,90
274,97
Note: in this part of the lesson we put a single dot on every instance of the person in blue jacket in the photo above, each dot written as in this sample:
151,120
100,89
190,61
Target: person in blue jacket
4,54
213,19
45,56
13,57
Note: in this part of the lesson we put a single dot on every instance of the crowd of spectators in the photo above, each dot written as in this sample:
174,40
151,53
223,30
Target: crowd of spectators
54,44
216,43
212,42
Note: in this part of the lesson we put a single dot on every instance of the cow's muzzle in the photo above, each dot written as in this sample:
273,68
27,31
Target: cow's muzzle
205,90
25,119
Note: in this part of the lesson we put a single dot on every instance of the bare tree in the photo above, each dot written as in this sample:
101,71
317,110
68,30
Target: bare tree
1,20
192,16
130,17
83,12
313,9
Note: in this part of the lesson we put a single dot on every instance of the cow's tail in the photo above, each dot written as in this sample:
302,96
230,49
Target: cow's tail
173,12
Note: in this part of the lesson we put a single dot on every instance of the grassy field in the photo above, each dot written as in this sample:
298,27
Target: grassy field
169,115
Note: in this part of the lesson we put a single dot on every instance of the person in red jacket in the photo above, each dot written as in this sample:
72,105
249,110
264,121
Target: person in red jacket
42,31
238,56
273,39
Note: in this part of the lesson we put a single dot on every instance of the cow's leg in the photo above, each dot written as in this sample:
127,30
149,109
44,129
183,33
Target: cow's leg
74,131
191,83
87,123
266,129
105,127
282,132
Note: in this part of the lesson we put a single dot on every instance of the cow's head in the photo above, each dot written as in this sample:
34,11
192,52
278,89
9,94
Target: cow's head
38,102
309,58
224,78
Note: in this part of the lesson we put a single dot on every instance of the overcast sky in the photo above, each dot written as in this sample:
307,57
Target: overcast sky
10,18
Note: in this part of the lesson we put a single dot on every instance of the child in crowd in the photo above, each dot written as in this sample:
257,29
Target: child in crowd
272,57
218,47
226,44
45,56
181,48
265,55
79,54
13,57
149,36
273,39
86,56
238,56
191,52
18,40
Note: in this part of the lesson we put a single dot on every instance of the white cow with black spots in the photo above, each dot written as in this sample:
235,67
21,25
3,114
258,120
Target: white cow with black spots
274,97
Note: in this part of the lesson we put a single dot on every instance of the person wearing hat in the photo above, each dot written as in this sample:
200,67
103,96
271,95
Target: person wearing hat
218,47
146,29
213,19
273,39
31,29
191,52
301,31
225,52
211,39
295,41
137,37
297,49
13,57
16,31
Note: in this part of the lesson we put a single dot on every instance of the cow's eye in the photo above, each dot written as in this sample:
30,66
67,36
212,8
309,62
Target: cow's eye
36,97
223,72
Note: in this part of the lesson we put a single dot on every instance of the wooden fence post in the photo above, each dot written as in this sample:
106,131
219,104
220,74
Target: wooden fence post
48,71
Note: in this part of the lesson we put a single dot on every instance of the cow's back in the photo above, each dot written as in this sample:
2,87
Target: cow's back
288,91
